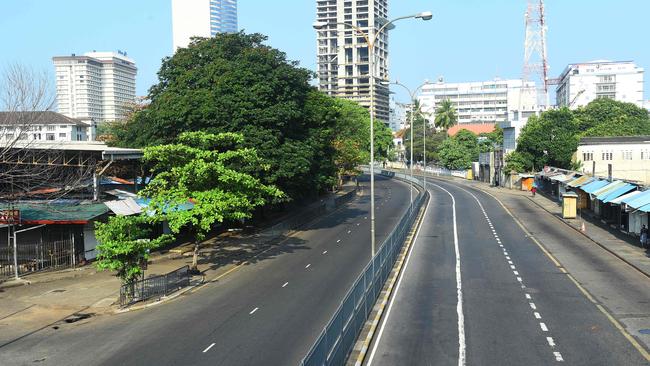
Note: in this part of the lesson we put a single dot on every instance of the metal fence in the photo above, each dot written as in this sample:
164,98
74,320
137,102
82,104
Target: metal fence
36,257
337,339
156,286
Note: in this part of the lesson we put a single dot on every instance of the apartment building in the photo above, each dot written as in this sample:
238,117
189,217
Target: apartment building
343,55
480,102
97,86
629,157
581,83
202,18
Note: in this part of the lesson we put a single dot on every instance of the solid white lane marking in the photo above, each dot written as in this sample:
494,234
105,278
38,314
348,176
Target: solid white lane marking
550,341
207,349
558,357
397,287
307,266
537,315
543,326
528,296
459,283
253,311
325,252
285,284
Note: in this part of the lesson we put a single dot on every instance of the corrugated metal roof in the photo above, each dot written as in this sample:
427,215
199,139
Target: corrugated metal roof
593,186
58,213
607,198
639,200
607,189
581,181
619,200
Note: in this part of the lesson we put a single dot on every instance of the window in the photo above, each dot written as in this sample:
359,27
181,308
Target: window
49,136
62,135
51,128
627,155
607,155
587,156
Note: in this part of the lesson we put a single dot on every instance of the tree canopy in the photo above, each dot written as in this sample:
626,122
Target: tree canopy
207,170
446,115
459,151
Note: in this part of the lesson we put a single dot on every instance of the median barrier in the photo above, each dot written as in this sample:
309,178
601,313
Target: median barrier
337,339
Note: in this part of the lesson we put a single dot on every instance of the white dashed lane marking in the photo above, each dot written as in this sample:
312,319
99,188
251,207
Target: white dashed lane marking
307,266
544,327
207,349
285,284
253,311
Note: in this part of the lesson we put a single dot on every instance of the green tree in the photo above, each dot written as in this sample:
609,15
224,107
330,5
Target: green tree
608,117
459,151
446,116
491,140
236,83
550,139
124,245
207,170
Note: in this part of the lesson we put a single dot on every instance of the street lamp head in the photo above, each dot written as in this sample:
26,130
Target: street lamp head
319,25
425,15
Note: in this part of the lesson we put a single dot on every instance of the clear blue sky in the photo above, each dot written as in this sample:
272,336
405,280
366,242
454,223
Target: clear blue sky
468,40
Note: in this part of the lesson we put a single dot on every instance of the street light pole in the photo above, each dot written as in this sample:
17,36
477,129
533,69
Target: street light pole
370,42
424,143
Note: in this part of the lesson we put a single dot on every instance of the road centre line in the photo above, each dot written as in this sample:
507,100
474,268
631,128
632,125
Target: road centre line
285,284
550,341
253,311
544,327
207,349
325,252
558,357
338,241
528,296
537,315
307,266
532,305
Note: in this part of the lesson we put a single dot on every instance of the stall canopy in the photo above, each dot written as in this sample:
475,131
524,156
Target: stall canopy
645,208
619,200
581,181
618,192
604,191
639,200
594,186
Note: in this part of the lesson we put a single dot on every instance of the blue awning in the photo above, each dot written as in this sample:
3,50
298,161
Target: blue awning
645,208
600,193
617,193
639,200
593,186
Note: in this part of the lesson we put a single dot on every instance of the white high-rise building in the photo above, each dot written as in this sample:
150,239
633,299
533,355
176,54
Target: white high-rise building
96,86
343,67
480,102
584,82
202,18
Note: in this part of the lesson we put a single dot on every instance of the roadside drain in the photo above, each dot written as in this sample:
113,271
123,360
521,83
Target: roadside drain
77,317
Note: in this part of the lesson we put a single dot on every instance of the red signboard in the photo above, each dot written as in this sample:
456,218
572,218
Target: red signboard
9,217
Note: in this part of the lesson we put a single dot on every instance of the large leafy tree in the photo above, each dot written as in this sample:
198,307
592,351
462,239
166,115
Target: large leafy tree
459,151
608,117
446,115
550,139
207,170
236,83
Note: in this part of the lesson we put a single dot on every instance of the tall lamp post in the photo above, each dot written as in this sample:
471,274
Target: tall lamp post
370,42
424,135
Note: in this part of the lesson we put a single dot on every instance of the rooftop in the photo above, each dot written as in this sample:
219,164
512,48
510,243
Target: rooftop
107,152
38,118
477,128
615,140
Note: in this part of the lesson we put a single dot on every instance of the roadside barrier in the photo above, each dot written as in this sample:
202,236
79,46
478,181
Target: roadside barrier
156,286
337,339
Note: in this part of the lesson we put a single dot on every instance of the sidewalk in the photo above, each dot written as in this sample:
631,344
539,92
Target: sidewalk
44,299
622,246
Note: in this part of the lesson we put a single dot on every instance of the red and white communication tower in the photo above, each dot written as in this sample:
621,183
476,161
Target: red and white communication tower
535,61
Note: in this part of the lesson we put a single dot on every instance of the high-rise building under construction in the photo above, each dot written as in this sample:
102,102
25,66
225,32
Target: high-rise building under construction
343,52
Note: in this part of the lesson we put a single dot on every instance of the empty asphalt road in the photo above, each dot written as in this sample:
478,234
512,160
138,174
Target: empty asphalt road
267,313
477,290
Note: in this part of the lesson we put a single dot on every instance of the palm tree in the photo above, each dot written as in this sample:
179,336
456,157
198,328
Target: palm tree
446,116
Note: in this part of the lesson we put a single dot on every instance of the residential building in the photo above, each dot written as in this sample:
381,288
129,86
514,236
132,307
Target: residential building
43,126
202,18
629,157
343,56
480,102
398,119
581,83
97,86
476,128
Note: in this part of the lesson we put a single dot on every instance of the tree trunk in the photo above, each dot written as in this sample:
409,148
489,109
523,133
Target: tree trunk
195,257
